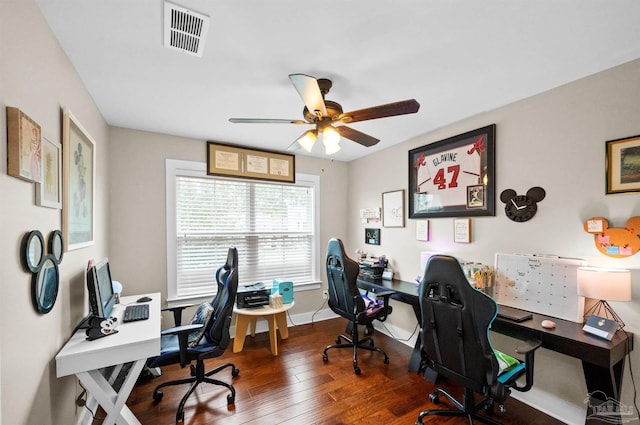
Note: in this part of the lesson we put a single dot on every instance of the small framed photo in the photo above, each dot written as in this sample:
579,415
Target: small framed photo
475,196
372,236
623,165
462,230
393,209
49,190
24,145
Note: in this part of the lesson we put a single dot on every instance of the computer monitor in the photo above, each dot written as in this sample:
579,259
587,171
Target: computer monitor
101,296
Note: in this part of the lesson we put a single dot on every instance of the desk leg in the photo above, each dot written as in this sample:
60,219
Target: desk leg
242,322
113,403
415,363
281,320
601,380
273,335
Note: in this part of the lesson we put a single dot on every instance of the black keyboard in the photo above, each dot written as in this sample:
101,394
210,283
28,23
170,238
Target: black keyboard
136,312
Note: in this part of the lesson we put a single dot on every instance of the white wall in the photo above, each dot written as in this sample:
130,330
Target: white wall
555,140
36,77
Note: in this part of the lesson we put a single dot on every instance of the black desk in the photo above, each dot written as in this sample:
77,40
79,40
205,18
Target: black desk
602,360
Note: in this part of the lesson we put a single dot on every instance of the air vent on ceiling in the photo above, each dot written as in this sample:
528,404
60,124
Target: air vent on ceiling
184,29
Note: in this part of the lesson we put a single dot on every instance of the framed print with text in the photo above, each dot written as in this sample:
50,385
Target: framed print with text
78,156
454,177
393,209
238,161
623,165
49,190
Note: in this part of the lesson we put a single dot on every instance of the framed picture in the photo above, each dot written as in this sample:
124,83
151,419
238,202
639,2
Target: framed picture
462,230
24,144
393,209
237,161
78,154
49,190
623,165
454,177
372,236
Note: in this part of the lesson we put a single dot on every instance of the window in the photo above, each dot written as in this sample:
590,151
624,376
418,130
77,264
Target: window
273,225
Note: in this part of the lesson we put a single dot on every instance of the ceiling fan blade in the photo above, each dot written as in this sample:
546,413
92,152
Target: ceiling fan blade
266,121
382,111
310,93
356,136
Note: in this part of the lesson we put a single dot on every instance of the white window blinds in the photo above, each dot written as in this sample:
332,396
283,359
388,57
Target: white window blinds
271,224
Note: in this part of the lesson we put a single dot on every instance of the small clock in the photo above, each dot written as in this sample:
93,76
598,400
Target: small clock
520,208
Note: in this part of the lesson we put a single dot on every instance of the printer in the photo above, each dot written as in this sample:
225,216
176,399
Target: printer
255,295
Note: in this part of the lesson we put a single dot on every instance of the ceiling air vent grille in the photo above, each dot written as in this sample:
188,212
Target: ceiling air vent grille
184,29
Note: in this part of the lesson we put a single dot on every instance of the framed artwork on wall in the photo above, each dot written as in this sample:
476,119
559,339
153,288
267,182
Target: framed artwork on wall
78,152
393,209
623,165
372,236
454,177
49,190
238,161
24,144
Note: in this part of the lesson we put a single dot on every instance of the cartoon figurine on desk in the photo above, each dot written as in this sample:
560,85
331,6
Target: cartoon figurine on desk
100,327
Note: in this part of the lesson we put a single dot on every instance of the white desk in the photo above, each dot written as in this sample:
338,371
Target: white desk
134,342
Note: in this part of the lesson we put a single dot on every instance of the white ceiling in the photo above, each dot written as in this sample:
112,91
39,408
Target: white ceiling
457,58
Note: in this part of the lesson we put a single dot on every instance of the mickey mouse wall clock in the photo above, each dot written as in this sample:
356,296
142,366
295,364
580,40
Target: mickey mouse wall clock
520,208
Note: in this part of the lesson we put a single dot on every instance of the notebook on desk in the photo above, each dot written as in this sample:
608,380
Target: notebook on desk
514,314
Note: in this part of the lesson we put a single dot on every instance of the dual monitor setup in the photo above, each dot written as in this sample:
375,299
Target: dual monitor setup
102,299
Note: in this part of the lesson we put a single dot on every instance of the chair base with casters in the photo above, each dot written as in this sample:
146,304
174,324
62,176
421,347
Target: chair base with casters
354,342
468,408
198,376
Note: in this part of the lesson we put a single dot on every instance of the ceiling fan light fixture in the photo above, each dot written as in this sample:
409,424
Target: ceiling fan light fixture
330,140
308,139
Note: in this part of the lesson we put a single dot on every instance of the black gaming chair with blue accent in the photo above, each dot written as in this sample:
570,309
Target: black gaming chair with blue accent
206,337
456,319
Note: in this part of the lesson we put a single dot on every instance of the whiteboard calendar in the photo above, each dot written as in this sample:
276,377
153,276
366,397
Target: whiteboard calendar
542,284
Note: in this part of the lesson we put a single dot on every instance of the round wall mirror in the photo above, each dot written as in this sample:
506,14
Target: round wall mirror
32,250
56,245
45,285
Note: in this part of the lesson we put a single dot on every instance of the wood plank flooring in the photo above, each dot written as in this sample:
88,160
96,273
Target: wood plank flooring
297,387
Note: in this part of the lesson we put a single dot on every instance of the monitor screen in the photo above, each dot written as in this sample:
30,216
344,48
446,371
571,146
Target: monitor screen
101,296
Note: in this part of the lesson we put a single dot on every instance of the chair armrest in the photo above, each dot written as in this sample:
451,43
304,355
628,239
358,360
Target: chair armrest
183,339
528,349
177,312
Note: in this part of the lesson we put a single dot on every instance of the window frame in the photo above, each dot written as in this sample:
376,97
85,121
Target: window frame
173,168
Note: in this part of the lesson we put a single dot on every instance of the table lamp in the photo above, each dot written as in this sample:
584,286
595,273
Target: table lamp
604,285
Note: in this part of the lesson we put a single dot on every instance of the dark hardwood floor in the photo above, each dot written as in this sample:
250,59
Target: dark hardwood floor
297,387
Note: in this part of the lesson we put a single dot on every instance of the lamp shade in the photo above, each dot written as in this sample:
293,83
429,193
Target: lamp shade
604,284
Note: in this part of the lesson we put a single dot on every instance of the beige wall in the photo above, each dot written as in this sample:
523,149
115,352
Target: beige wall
137,219
36,77
555,140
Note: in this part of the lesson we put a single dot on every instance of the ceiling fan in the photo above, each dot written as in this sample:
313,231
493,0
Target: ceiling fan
324,113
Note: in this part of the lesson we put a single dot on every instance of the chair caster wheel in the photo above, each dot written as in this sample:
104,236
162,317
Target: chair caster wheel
235,372
357,370
338,340
386,360
325,358
488,408
433,397
157,395
230,400
180,417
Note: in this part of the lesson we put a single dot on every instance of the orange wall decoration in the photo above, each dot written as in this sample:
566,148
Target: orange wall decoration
615,242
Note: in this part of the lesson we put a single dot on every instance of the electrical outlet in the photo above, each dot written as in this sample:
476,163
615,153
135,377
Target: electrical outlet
325,294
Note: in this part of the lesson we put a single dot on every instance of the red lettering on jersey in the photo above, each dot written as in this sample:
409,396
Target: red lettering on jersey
478,146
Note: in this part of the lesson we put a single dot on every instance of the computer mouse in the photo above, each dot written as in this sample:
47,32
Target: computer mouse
143,299
548,324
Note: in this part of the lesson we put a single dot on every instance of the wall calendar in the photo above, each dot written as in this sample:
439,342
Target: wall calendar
542,284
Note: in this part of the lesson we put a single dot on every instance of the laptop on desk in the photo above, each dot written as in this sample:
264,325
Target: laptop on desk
515,314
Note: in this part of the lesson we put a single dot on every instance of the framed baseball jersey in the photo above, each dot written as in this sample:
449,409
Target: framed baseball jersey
454,177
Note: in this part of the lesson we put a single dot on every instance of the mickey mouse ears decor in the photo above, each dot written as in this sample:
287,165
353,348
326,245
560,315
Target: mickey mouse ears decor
521,208
46,276
615,242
